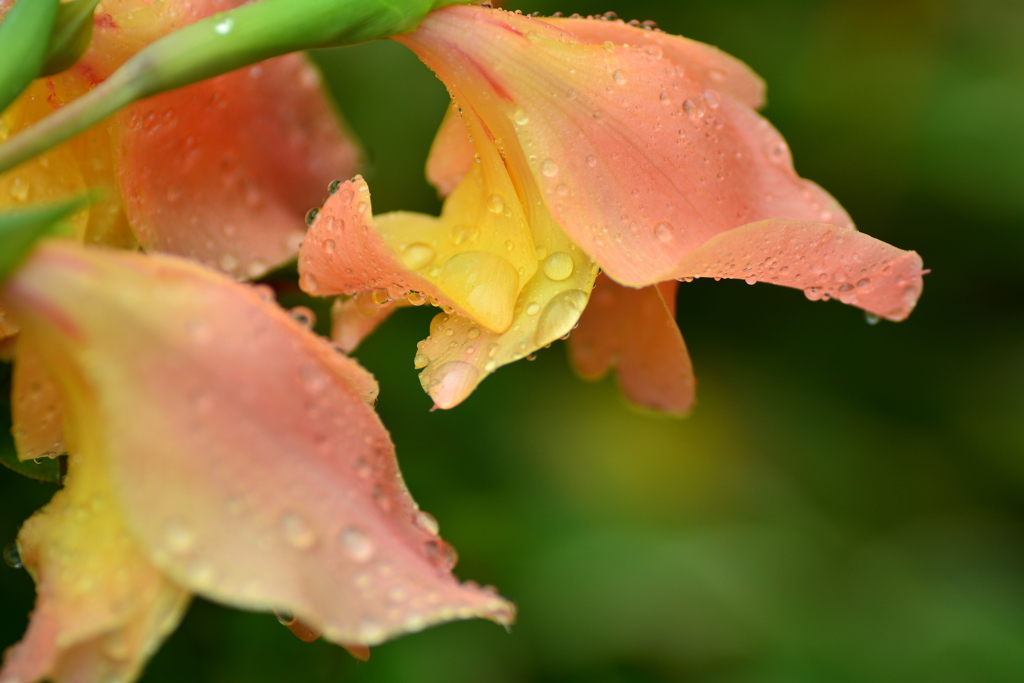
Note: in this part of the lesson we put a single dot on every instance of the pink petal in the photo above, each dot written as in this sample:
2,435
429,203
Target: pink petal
196,383
37,409
713,66
640,158
352,320
823,260
196,185
451,154
634,330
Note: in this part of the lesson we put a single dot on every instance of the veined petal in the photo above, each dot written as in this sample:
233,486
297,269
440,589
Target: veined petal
102,608
451,153
475,258
196,185
639,158
37,408
717,68
295,499
823,260
635,331
458,354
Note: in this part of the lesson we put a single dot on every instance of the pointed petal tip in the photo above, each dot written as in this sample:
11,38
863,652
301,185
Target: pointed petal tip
452,383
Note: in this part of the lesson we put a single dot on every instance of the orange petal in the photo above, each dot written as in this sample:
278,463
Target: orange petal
102,608
196,383
474,259
635,331
37,408
451,154
823,260
640,158
352,320
196,185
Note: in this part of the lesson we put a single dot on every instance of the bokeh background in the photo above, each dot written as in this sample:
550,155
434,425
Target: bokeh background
846,503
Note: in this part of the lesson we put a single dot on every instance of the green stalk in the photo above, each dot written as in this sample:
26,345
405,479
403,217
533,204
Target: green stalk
21,228
217,45
24,33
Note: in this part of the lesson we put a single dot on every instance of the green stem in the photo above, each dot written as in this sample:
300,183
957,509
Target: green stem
24,32
217,45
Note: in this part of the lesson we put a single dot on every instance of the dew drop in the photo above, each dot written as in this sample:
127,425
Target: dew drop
426,521
19,189
417,256
549,168
618,77
311,216
664,232
329,246
228,262
297,531
224,27
871,318
420,361
303,316
473,332
608,45
752,280
559,316
357,544
12,557
519,117
533,308
591,161
864,282
558,266
178,538
495,204
333,187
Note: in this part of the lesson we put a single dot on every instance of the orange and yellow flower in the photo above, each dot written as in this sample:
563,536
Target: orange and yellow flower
216,446
222,171
577,145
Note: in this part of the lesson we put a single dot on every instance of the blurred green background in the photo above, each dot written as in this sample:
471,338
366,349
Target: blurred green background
846,503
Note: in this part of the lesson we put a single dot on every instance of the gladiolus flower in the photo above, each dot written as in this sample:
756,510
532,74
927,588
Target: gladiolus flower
577,145
217,446
222,171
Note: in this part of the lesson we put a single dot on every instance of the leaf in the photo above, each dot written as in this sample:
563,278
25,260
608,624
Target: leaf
20,229
24,33
71,35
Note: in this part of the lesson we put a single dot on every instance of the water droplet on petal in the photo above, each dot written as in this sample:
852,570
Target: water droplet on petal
519,117
333,187
12,557
618,77
533,308
495,204
297,531
303,316
558,266
420,361
871,318
559,316
357,544
417,256
549,168
591,161
426,521
178,538
311,216
664,232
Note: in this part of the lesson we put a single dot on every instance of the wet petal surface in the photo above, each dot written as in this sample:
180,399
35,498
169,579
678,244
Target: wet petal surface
823,260
296,502
195,184
640,159
474,258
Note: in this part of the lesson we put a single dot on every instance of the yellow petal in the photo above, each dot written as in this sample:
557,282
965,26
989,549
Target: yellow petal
102,608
